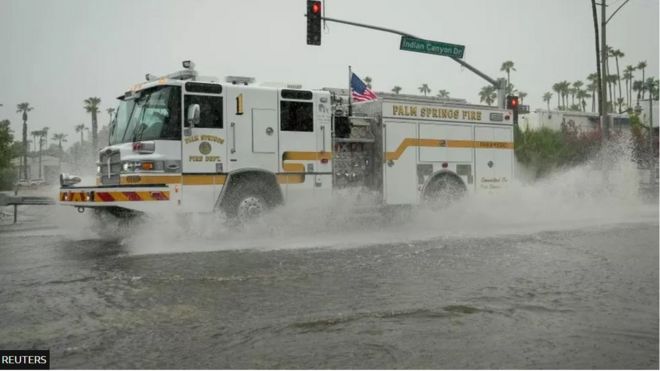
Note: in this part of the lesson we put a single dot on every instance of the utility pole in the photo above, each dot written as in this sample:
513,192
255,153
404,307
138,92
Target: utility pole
605,122
652,158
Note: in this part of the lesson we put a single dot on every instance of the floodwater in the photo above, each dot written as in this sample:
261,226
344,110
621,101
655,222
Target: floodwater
563,274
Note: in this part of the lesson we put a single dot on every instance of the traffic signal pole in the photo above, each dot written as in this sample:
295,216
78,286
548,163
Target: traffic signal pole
605,121
500,89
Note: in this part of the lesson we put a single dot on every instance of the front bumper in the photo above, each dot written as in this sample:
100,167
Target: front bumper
140,198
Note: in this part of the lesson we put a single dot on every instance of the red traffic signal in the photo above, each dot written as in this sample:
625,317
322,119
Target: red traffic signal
313,22
316,7
512,102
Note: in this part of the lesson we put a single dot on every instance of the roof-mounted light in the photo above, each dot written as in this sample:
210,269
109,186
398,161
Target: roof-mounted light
236,80
189,65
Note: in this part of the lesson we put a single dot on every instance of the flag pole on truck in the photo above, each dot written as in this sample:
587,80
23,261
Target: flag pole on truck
350,93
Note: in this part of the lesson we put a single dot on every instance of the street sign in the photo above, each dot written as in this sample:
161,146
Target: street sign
523,108
412,44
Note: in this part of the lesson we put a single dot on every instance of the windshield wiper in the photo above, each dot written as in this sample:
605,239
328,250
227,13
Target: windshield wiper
137,134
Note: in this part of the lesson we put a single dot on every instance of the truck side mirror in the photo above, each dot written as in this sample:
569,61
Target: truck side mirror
192,117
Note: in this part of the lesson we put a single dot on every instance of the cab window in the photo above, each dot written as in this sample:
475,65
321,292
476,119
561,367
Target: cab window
210,108
296,116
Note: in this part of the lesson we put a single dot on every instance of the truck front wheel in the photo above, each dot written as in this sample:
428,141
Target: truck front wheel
248,203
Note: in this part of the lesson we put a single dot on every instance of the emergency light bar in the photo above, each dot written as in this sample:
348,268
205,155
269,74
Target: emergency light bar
188,74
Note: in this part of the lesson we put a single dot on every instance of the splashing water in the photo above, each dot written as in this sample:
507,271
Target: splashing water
579,197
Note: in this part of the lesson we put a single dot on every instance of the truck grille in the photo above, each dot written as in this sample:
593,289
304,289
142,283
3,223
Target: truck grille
112,159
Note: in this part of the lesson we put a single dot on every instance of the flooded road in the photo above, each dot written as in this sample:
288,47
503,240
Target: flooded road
575,297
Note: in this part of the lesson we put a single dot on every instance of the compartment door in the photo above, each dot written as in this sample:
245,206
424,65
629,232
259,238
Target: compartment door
493,157
400,167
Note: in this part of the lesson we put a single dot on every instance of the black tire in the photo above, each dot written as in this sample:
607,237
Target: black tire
444,190
247,202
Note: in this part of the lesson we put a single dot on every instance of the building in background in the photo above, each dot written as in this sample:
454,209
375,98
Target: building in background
643,111
50,168
583,121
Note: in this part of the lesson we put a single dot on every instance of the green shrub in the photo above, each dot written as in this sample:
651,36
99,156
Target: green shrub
545,150
8,178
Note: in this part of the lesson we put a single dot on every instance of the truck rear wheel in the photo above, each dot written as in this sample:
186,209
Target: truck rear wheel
443,190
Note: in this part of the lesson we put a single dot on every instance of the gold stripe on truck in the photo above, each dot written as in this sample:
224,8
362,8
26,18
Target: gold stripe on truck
414,142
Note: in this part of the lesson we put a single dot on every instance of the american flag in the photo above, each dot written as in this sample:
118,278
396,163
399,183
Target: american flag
359,90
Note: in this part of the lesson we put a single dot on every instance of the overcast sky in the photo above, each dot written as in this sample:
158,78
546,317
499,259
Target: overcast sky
54,54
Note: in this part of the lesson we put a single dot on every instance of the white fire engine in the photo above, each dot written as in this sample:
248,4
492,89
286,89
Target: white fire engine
183,142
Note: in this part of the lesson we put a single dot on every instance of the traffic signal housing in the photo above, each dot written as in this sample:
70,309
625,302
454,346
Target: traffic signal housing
513,103
313,22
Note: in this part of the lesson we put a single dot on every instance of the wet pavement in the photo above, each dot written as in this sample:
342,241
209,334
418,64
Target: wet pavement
584,297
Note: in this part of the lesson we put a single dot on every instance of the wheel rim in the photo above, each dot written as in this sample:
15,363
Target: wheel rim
250,207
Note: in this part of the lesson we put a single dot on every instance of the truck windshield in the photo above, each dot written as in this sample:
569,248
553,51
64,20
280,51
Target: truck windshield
155,114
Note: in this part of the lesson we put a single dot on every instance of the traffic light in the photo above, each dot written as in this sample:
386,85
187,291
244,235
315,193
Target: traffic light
512,103
313,22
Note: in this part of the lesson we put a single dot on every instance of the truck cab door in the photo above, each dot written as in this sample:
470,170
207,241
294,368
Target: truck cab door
305,143
204,147
252,128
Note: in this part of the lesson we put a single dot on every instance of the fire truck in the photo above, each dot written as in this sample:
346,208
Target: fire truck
189,143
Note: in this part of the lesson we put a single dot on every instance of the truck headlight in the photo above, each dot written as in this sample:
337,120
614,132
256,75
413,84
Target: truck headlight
67,180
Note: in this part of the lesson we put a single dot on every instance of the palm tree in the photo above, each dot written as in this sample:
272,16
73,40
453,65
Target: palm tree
565,85
367,80
593,86
60,137
619,101
92,106
443,94
507,67
396,89
488,94
578,84
572,92
637,86
81,129
43,133
424,89
627,77
652,85
34,134
557,89
611,80
522,96
654,89
642,66
575,90
110,112
618,54
546,98
24,108
581,95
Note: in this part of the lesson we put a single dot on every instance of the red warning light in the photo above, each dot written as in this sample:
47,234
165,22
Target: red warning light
316,7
